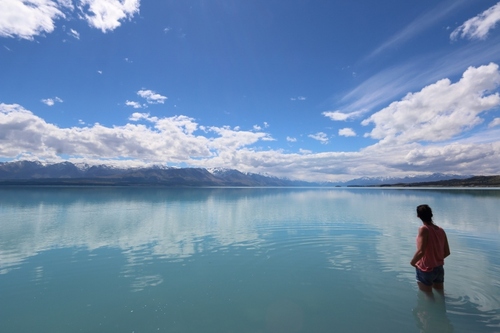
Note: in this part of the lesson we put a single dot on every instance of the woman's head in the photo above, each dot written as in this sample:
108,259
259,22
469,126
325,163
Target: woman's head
424,212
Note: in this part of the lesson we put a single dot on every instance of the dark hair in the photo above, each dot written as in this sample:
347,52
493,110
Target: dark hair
424,212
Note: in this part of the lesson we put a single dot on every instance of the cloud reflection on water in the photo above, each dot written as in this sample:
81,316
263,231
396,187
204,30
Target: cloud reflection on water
174,224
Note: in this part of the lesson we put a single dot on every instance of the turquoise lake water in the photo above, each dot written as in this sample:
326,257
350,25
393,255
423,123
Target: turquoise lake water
254,260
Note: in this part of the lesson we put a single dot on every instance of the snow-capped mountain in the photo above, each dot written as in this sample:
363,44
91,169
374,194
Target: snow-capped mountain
29,172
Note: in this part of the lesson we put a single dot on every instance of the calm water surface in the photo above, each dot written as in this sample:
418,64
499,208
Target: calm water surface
242,260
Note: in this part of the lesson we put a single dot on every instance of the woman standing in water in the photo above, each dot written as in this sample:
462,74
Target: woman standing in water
432,248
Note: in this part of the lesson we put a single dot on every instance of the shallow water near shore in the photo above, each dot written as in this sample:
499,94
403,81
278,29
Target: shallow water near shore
98,259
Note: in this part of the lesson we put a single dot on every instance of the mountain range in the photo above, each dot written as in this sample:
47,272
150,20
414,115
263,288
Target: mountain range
67,173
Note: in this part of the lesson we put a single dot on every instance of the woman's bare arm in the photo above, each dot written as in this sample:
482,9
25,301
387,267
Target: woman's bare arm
446,246
423,235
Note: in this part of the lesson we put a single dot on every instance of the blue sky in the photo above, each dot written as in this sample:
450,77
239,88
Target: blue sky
313,90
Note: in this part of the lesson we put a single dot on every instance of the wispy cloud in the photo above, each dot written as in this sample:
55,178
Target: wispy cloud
135,105
74,33
420,24
495,122
394,82
51,101
479,26
290,139
299,98
259,127
151,96
320,136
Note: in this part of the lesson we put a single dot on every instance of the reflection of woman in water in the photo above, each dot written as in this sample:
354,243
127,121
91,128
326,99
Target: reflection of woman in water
432,248
430,314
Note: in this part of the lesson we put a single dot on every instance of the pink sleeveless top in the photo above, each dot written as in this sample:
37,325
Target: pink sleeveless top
434,253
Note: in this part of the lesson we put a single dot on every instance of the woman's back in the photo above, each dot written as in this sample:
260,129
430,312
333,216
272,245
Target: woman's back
435,251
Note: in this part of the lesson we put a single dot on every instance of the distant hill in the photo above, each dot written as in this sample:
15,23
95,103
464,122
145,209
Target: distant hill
380,181
476,181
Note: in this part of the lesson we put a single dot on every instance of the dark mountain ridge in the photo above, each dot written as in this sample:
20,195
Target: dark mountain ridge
475,181
67,173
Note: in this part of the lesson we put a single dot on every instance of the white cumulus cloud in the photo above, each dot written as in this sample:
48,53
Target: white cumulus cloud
439,111
341,116
146,139
27,19
479,26
136,116
160,139
347,132
107,15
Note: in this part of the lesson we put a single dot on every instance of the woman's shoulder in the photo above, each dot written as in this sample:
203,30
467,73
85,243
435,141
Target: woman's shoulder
431,226
436,228
423,229
427,227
